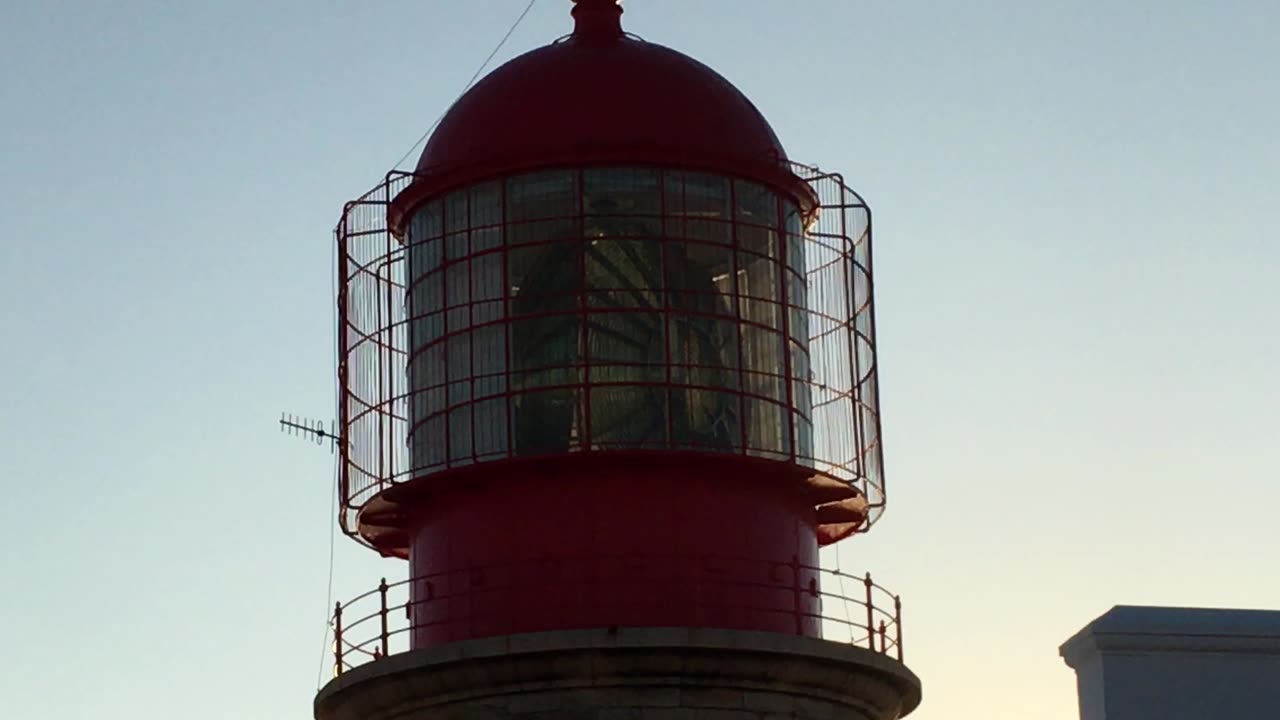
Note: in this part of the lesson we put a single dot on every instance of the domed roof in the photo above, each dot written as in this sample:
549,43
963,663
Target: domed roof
598,96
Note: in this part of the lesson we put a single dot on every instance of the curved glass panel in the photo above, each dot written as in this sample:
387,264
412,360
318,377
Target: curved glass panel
607,309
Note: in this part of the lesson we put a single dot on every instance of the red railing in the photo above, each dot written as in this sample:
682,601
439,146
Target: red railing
848,609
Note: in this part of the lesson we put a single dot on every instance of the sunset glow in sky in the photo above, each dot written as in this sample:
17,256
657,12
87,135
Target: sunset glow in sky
1076,273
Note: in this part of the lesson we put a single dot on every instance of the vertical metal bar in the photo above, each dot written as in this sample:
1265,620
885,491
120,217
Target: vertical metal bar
686,358
851,331
871,311
664,290
739,329
386,383
508,327
784,248
871,621
585,339
884,646
382,596
471,323
337,639
445,336
344,465
897,624
372,383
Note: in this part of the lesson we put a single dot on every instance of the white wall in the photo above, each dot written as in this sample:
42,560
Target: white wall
1150,663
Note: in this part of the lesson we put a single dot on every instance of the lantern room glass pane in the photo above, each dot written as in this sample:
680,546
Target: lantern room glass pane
607,308
622,202
624,273
623,345
542,207
629,417
698,207
769,428
700,277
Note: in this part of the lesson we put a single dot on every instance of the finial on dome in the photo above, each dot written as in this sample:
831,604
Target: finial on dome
597,19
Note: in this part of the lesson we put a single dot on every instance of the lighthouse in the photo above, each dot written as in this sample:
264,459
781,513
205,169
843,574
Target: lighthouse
607,384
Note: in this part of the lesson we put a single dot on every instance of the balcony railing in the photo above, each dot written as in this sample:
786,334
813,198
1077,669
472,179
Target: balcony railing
843,607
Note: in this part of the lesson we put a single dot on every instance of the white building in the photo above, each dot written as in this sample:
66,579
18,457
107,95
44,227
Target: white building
1156,663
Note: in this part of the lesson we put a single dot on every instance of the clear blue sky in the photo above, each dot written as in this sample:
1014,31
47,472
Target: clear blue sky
1077,275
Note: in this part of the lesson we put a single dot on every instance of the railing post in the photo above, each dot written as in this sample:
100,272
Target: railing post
337,639
871,620
897,624
884,642
382,594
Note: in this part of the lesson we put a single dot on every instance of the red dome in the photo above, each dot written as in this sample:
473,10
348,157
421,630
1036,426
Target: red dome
595,97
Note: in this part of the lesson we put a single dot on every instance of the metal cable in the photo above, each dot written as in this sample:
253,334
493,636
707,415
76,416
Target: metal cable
333,279
333,494
510,31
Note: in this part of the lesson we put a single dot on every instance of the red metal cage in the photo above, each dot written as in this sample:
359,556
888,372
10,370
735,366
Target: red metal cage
402,384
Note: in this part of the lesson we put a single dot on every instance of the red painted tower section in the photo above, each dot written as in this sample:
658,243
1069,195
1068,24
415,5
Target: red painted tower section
590,387
654,542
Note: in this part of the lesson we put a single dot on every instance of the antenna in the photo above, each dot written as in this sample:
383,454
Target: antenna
305,427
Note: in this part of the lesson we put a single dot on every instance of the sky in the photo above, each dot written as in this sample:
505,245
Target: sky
1075,272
